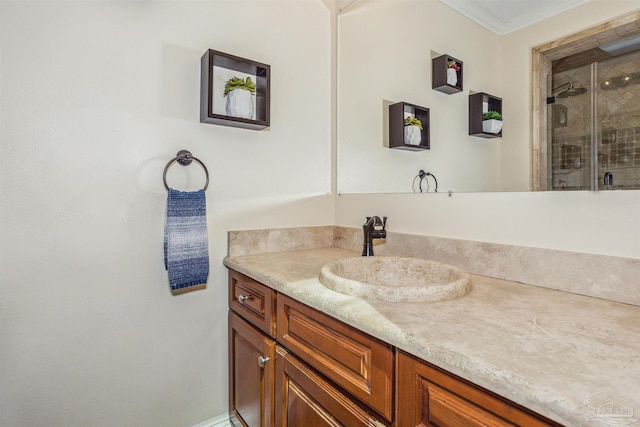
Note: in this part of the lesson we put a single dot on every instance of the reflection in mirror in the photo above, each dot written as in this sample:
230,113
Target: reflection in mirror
608,159
384,57
592,137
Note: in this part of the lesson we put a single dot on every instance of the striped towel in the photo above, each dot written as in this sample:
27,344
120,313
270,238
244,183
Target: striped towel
186,249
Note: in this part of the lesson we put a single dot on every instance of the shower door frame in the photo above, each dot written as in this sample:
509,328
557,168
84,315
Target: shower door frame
595,126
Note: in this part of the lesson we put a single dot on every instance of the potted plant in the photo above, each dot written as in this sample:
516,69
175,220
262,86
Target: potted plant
492,122
452,72
238,92
412,131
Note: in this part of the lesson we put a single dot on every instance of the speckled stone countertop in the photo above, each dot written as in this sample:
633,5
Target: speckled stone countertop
571,358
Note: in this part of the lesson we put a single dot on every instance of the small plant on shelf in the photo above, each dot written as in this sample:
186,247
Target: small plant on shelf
239,102
412,131
492,122
453,68
492,115
412,121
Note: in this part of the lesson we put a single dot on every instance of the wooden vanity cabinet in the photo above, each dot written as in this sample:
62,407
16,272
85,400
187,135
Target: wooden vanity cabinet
428,396
338,376
291,365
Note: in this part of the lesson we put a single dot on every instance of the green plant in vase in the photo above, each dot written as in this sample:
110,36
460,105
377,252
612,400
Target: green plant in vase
492,122
412,131
238,92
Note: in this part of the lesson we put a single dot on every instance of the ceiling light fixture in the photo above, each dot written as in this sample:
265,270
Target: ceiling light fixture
620,81
622,46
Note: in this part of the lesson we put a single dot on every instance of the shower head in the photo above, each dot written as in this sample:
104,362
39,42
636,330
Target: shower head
571,91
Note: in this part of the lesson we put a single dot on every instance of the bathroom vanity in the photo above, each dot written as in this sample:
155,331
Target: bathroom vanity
304,370
291,364
504,353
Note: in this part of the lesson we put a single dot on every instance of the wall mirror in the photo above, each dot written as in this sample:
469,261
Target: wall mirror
385,51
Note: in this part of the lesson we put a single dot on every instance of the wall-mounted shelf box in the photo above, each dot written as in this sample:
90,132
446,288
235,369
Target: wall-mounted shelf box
397,113
216,69
481,103
439,68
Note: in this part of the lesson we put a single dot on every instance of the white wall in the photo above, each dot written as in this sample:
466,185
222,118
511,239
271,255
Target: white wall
605,223
96,98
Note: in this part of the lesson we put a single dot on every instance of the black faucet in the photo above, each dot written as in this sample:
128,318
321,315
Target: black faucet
371,232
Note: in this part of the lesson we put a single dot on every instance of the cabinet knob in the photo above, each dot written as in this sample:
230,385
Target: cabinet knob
262,361
241,298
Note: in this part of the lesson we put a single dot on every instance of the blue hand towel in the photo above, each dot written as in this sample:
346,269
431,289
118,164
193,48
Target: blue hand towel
186,249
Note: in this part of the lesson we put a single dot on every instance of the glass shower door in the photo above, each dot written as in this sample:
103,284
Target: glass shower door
618,117
571,129
594,126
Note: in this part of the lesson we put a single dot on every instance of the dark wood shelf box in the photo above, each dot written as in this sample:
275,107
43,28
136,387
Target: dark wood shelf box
397,113
216,69
481,103
439,68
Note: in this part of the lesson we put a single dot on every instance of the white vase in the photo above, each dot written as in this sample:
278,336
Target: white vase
492,126
452,77
240,104
412,135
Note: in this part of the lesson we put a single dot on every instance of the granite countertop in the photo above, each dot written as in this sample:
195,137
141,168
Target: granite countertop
559,354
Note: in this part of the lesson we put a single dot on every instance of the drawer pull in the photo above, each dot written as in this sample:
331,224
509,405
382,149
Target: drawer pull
262,361
241,298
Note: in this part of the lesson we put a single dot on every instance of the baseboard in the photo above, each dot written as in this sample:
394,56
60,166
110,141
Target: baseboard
219,421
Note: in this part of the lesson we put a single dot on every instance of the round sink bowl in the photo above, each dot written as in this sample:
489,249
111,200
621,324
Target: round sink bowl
395,279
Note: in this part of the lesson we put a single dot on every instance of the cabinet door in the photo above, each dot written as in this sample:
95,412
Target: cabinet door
251,374
304,398
427,396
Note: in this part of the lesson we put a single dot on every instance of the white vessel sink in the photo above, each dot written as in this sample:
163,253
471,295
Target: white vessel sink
395,279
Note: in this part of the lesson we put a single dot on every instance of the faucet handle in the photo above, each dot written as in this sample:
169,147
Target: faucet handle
384,222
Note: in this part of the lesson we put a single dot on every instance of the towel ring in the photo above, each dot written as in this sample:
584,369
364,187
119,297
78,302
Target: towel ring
184,158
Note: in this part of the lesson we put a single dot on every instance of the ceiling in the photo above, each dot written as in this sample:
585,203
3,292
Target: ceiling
505,16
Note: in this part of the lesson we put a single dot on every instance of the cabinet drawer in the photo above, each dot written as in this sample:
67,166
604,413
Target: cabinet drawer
357,362
304,398
428,396
253,301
